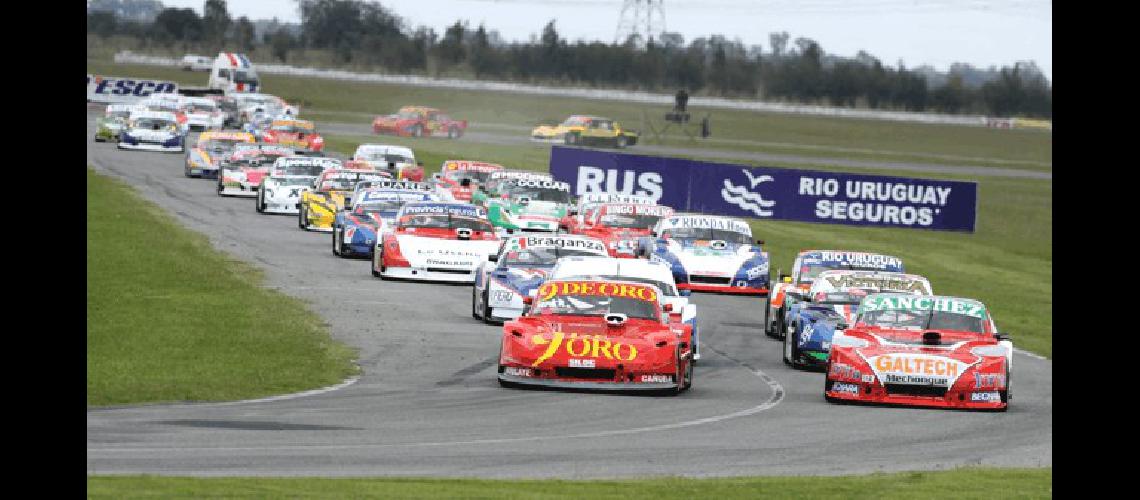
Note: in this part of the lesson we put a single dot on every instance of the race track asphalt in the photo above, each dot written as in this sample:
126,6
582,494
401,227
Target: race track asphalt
428,403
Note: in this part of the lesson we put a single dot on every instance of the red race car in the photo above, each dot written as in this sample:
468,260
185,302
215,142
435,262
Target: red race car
619,225
921,350
300,134
461,178
419,121
596,334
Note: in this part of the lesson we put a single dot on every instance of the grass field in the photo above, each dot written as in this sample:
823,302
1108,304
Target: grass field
1007,262
733,130
171,319
959,484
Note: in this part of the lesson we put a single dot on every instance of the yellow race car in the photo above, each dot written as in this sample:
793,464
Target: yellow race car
331,193
587,131
205,158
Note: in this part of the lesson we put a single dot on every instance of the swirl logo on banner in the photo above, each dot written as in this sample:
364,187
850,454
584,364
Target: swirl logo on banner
745,197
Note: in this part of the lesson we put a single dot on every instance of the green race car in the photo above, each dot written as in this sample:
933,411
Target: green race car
534,204
114,119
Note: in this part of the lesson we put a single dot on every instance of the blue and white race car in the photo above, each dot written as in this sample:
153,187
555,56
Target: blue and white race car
153,131
519,267
374,209
830,305
709,254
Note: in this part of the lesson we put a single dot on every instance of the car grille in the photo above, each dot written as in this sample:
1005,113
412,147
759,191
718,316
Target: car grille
709,280
446,270
587,373
931,391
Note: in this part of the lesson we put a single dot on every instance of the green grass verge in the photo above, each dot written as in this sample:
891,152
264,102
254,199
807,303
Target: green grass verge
966,483
732,130
171,319
1007,263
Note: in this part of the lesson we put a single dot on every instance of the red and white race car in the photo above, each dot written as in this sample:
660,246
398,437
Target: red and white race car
419,121
912,350
596,334
435,241
621,225
301,134
460,178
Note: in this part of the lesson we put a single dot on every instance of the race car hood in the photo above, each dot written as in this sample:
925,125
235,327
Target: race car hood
447,253
700,257
150,135
918,365
553,130
553,341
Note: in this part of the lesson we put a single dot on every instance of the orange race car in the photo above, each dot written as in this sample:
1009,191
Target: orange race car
419,121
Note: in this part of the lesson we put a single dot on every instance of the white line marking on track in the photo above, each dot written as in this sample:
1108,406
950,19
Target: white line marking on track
772,401
1030,354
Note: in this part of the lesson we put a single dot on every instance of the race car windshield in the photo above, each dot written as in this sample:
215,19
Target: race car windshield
346,182
379,206
598,305
667,289
295,181
809,272
701,233
305,170
217,146
258,160
575,121
119,114
202,108
922,320
459,175
244,77
445,221
154,124
639,221
539,194
541,256
408,115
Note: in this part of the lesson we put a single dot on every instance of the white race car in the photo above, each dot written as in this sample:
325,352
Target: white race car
520,266
435,241
681,310
399,161
280,191
240,173
153,131
203,114
709,253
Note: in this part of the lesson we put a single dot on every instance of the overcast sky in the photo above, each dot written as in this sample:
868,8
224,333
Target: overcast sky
935,32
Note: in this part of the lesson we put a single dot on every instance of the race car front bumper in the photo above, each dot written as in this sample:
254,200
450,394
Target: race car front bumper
143,146
442,275
539,381
247,189
922,396
286,207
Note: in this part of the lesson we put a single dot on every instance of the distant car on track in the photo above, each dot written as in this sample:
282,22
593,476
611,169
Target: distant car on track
280,192
621,225
709,253
529,204
419,121
830,306
114,119
435,241
206,157
294,133
933,351
330,193
153,131
399,161
807,266
241,172
459,179
586,130
357,229
599,335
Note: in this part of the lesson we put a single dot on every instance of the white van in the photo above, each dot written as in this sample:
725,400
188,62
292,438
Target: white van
232,72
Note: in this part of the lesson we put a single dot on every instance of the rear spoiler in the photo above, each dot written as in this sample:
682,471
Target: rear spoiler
199,91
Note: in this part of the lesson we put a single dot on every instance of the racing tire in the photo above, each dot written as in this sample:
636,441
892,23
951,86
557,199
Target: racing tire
620,142
336,242
473,306
219,188
418,131
487,306
259,205
790,351
777,329
372,266
571,139
453,133
688,376
301,218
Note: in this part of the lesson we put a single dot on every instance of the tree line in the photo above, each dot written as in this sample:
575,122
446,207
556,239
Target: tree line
356,33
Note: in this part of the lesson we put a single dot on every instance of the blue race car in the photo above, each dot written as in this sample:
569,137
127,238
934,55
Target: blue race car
709,254
520,266
830,305
356,231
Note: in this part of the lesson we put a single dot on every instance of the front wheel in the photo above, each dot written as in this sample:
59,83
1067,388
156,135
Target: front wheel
453,133
571,139
376,260
418,131
474,305
789,346
260,205
777,329
301,218
336,242
621,141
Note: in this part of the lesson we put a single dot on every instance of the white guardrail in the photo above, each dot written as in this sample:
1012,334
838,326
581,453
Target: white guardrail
129,57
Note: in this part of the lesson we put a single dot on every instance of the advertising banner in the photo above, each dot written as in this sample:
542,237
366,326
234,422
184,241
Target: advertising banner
771,193
116,90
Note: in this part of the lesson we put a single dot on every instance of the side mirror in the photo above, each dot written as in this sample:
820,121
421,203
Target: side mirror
842,326
528,300
493,258
1003,336
759,242
667,308
437,176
